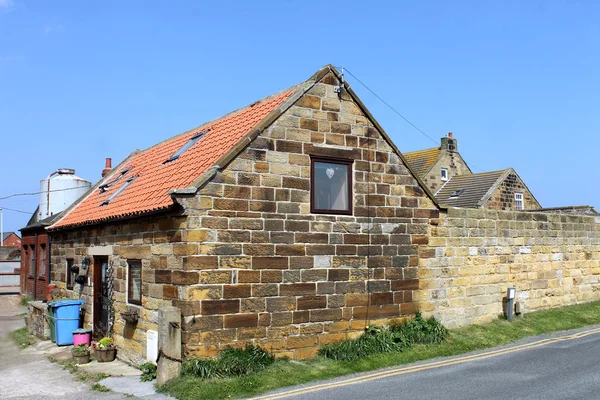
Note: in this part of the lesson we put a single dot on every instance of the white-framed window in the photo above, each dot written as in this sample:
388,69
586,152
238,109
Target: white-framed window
444,174
519,201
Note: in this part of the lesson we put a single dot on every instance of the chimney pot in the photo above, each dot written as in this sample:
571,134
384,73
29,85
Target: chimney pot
107,167
450,135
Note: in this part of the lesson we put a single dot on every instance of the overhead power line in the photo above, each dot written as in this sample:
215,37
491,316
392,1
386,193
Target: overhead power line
34,193
19,211
397,112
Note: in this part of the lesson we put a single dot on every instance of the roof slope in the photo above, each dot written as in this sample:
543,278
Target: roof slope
6,235
474,188
149,192
422,160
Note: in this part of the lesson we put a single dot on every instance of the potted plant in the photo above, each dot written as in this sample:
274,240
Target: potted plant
81,354
105,350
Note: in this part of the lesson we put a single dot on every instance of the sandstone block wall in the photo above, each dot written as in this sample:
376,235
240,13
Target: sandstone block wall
259,267
474,255
503,198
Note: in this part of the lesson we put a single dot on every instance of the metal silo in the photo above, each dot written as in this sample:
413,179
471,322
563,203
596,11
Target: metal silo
59,190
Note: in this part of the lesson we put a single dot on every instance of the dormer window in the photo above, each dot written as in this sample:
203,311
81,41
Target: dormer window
104,188
187,145
115,194
444,174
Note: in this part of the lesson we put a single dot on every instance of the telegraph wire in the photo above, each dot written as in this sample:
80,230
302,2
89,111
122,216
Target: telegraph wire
401,116
19,211
34,193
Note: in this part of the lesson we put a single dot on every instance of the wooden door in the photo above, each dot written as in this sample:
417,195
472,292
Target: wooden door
102,297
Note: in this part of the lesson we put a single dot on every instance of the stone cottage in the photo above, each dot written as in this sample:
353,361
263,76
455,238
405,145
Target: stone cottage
437,165
290,223
500,190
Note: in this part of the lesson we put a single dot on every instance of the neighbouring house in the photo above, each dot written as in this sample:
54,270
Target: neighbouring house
57,191
496,190
11,239
575,210
438,165
290,223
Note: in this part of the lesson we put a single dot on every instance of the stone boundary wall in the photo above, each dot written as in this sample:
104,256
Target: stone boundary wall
474,255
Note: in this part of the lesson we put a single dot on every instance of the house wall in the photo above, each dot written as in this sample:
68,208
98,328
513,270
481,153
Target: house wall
473,256
34,279
12,240
503,198
156,241
261,268
448,159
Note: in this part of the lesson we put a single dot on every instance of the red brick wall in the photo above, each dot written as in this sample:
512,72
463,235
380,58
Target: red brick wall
12,240
33,277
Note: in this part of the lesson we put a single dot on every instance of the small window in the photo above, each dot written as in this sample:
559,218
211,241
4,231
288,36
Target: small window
456,193
134,282
119,190
518,201
104,188
331,186
444,174
32,261
187,145
70,275
42,269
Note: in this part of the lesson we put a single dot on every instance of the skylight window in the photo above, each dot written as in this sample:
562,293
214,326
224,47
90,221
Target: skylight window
104,187
457,193
187,145
115,194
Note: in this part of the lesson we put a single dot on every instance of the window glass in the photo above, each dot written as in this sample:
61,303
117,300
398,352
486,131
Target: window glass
331,186
135,282
42,267
444,174
32,261
519,201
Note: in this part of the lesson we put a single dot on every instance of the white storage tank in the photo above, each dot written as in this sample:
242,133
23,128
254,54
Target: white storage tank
59,190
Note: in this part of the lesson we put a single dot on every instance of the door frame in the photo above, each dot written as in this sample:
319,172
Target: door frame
97,293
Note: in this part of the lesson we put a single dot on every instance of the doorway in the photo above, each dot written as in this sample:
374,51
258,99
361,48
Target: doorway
102,297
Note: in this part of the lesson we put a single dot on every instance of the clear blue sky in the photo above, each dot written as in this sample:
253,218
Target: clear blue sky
517,82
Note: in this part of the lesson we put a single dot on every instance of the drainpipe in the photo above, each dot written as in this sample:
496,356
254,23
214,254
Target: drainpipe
35,271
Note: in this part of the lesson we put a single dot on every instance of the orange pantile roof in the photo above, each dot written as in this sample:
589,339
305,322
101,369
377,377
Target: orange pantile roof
422,160
150,190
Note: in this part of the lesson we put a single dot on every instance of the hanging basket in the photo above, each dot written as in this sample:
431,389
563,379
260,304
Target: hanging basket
130,316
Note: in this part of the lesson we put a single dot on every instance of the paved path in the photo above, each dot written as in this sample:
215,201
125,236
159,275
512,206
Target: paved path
559,366
28,374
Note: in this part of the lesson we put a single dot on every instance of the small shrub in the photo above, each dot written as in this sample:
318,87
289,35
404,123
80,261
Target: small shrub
396,337
24,300
231,362
148,372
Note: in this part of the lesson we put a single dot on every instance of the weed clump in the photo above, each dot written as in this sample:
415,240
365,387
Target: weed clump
230,362
396,337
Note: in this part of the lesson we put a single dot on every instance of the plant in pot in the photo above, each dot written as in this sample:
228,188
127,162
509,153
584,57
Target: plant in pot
105,350
81,354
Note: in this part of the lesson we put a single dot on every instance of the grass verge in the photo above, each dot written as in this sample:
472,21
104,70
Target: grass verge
289,372
22,338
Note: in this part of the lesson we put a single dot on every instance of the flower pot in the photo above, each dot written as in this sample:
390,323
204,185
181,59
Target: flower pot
80,357
106,355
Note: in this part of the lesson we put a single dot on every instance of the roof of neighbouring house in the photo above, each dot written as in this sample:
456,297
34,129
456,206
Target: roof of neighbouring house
422,160
6,235
145,181
471,189
34,223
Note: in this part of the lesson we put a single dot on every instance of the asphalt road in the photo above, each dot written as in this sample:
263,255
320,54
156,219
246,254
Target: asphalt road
561,366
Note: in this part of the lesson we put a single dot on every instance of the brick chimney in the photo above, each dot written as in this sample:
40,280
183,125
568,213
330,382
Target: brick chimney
107,167
449,143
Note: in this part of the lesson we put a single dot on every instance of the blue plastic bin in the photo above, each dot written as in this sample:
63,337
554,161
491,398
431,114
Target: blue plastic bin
66,319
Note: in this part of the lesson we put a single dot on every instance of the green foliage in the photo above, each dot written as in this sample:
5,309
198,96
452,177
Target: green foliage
100,388
148,372
25,300
80,350
396,337
231,362
104,343
22,338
